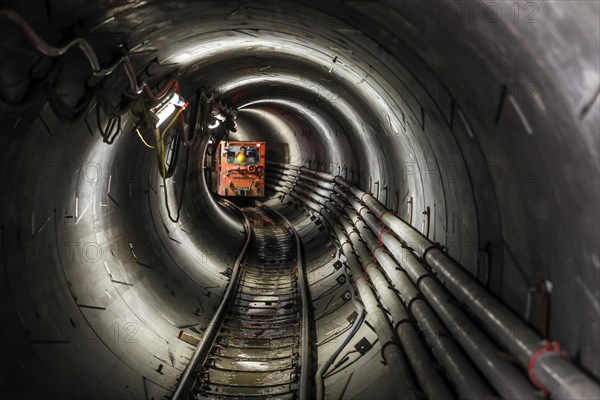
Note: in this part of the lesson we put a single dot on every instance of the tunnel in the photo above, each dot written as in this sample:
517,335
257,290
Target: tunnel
471,125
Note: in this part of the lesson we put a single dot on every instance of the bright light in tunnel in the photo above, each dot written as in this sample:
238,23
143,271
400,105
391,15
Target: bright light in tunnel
352,115
278,126
168,109
164,113
362,77
194,52
316,120
182,57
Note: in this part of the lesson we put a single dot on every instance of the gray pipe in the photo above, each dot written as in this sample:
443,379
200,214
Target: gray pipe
282,178
322,175
284,184
308,202
503,325
320,191
278,188
391,352
431,382
466,379
286,171
554,372
468,382
324,184
504,376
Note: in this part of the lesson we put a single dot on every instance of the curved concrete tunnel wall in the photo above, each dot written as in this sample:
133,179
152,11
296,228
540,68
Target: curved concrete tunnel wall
489,121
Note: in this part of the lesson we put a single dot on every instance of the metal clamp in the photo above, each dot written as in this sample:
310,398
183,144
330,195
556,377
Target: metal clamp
547,347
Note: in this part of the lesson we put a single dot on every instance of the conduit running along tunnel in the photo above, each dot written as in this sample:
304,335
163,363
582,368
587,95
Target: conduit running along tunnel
475,122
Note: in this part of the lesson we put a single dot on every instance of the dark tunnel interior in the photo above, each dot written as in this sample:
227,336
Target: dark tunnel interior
476,122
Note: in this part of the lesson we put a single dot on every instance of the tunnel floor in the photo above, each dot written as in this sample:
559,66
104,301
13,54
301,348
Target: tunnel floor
256,353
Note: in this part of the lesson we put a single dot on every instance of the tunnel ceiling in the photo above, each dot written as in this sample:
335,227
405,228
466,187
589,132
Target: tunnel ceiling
477,123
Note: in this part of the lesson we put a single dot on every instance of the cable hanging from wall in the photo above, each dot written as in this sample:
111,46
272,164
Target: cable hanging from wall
159,115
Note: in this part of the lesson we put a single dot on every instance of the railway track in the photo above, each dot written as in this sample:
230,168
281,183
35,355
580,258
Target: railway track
258,343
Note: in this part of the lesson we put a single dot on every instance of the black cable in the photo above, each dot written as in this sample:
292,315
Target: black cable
112,129
180,203
171,162
66,112
35,85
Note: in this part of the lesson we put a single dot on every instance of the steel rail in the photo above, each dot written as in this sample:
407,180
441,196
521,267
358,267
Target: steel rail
189,376
305,343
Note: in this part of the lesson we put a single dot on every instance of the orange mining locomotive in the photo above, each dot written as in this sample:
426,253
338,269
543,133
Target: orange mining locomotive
239,169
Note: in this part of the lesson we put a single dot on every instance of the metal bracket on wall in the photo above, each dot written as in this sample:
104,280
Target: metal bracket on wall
363,346
427,221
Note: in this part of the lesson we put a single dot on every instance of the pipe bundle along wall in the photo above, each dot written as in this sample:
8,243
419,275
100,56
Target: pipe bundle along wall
397,248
